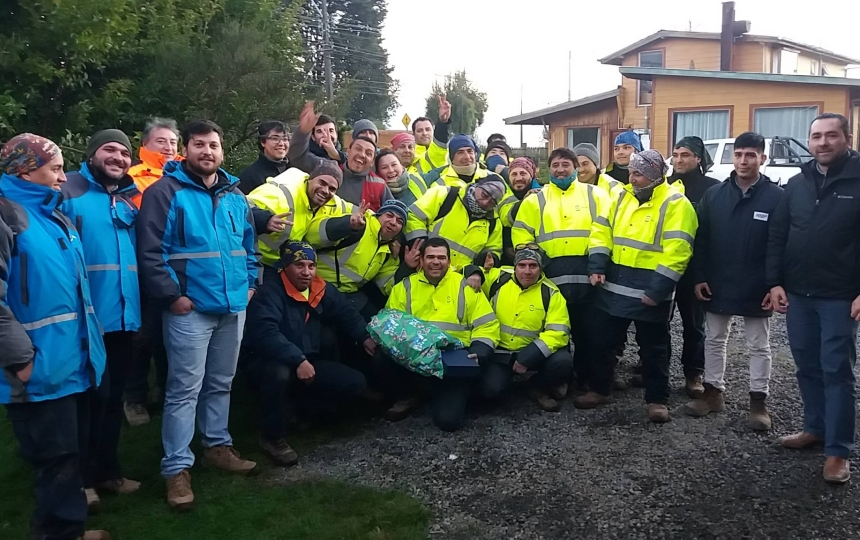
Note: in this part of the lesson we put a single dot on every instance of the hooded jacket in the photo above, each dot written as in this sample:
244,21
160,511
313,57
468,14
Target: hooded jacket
814,244
693,184
256,174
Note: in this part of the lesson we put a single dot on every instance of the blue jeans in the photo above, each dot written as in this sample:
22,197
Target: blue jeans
202,353
822,336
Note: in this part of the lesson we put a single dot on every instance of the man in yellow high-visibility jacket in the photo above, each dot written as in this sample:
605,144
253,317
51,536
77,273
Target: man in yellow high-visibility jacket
638,267
442,298
356,249
588,169
298,198
534,328
429,149
561,218
464,216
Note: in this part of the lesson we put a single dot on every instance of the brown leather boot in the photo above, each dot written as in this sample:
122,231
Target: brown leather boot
96,535
836,470
120,486
279,452
694,387
228,459
543,401
402,409
710,401
800,441
591,400
759,419
658,413
179,494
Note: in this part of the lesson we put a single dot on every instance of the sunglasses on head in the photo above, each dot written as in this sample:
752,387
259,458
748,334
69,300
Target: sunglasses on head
530,245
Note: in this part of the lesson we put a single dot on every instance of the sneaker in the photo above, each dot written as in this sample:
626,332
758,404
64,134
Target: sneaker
179,494
228,459
402,409
658,413
95,535
694,387
759,419
543,401
712,400
279,452
136,414
121,486
93,501
591,400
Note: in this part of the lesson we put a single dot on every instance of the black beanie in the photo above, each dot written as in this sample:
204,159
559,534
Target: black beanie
501,145
106,136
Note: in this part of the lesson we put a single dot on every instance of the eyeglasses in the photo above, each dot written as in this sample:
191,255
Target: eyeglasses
530,245
277,139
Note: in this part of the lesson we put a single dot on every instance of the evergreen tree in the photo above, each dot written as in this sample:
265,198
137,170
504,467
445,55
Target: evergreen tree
468,105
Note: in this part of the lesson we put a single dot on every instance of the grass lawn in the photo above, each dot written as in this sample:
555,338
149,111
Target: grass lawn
227,507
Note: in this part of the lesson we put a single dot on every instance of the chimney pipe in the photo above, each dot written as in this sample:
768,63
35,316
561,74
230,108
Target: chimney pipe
727,39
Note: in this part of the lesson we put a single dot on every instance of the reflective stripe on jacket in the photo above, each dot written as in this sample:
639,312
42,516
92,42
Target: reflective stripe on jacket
105,222
562,222
648,252
452,306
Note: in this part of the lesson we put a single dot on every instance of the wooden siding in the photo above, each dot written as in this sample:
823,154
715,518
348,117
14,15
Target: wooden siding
742,97
603,115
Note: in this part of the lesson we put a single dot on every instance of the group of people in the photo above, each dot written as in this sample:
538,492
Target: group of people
279,271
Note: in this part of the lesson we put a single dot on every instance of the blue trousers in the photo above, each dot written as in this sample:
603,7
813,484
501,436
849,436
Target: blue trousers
822,336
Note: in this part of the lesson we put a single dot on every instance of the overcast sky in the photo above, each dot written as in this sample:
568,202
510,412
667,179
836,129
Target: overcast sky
506,45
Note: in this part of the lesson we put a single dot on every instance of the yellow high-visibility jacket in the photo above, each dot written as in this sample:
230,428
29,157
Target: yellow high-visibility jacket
647,253
466,238
416,184
561,222
284,194
428,158
525,326
452,306
449,177
609,184
348,259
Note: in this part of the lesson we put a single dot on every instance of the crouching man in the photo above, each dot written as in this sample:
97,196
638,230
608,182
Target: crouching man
284,335
534,326
441,297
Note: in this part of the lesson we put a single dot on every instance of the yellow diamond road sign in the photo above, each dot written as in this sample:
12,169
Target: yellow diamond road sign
406,120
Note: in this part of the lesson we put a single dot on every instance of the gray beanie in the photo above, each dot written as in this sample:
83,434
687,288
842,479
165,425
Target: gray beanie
364,125
587,150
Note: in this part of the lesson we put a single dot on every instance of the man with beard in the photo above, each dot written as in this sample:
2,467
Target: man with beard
324,140
626,144
430,143
273,136
359,184
520,176
196,249
98,199
406,187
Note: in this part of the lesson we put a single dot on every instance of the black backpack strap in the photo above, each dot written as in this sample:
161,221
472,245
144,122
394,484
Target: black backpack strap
497,285
448,203
10,218
545,295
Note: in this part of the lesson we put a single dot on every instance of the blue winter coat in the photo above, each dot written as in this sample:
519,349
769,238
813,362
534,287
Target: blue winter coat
105,222
46,315
197,242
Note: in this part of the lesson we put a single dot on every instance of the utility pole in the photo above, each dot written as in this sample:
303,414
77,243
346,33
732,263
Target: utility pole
522,144
569,60
327,48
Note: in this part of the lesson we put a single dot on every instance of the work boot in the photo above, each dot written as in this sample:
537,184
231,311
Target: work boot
228,459
96,535
279,452
636,381
179,494
136,414
836,470
372,396
800,441
543,401
93,501
121,486
694,387
402,409
658,413
618,383
759,419
591,400
558,392
712,400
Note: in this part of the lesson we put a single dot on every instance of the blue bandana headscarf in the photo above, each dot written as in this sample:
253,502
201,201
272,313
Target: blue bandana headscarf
631,138
292,252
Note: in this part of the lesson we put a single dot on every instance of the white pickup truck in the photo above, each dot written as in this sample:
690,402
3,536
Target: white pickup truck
785,155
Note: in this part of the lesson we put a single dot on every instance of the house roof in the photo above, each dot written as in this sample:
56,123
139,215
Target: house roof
616,57
535,118
648,74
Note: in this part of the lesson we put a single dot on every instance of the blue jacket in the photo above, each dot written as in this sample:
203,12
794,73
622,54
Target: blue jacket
46,315
197,242
105,223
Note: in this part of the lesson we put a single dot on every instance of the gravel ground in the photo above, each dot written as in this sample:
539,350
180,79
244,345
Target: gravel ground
516,472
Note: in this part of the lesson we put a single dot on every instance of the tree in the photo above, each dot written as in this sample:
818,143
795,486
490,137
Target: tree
468,105
361,74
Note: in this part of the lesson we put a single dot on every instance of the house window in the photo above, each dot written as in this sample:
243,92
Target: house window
650,59
708,125
784,121
788,62
813,68
583,135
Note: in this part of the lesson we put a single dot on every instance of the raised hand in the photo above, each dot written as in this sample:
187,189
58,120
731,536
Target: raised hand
357,220
444,109
308,118
412,257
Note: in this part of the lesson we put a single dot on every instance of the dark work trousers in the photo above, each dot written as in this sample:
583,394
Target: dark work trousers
106,413
333,385
367,301
497,375
448,397
653,339
581,328
52,436
148,347
693,319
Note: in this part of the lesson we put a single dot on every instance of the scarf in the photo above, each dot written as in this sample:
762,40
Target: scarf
398,184
472,207
465,169
563,183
